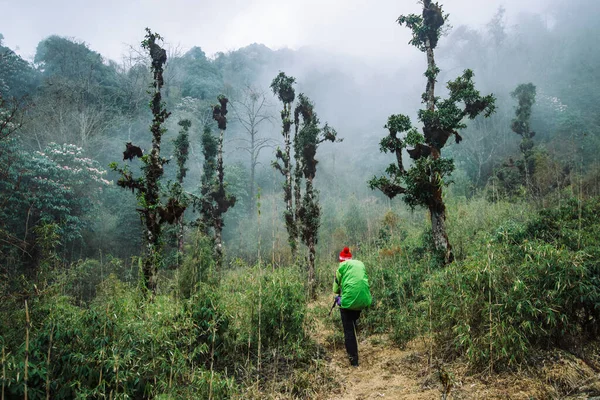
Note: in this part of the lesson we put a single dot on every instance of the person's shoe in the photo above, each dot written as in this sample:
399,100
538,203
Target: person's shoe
354,362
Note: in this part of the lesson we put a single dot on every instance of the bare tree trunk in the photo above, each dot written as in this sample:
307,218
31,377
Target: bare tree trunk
312,283
219,219
3,370
289,205
26,229
431,79
48,364
438,231
310,237
149,267
27,326
180,234
253,157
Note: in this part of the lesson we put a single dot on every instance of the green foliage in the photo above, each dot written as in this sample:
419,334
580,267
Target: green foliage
17,77
182,148
354,223
201,78
122,344
307,139
237,185
77,74
210,145
420,187
57,186
540,293
60,56
215,199
525,94
426,29
303,213
519,283
198,264
517,178
11,116
282,87
464,101
282,309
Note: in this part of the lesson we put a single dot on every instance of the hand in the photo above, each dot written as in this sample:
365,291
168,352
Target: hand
338,300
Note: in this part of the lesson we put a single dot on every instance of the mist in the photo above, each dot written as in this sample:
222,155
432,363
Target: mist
177,181
353,61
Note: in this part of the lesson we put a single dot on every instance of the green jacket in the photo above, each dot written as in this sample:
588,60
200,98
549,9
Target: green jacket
352,283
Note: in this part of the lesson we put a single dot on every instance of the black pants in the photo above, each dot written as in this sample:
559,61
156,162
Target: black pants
349,318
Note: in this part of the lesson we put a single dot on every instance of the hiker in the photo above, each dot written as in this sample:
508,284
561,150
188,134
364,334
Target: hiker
351,287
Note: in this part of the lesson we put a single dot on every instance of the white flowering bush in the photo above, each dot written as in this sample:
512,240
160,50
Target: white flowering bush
56,186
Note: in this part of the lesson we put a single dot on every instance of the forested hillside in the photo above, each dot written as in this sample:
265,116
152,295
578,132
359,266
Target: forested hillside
170,222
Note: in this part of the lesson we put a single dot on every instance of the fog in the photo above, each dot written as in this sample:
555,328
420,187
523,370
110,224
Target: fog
354,27
350,57
147,235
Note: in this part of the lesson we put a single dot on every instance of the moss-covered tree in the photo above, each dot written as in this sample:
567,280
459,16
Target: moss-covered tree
525,94
182,148
308,138
214,200
282,87
222,199
153,210
210,145
514,178
422,184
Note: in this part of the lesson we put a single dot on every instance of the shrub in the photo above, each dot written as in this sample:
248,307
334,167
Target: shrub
121,346
271,303
535,284
198,264
521,281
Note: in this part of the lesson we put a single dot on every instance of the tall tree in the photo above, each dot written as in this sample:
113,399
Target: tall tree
153,210
303,212
221,199
210,145
525,94
282,87
79,99
182,146
251,112
17,77
308,139
422,184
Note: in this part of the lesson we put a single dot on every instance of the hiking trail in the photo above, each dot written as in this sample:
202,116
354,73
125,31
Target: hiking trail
385,371
388,372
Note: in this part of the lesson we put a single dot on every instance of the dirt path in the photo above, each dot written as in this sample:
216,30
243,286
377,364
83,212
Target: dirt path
385,372
382,374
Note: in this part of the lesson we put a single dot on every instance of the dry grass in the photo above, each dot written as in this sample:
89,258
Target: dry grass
387,372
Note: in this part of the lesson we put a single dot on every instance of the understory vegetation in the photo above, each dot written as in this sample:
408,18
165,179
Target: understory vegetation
521,282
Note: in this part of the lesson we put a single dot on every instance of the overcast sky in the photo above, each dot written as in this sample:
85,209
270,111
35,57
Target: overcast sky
356,27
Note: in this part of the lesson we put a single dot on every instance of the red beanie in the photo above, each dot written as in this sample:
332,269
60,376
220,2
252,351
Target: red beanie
345,254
